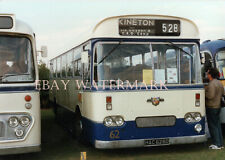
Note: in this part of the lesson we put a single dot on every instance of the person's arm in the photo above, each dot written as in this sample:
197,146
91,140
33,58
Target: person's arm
210,92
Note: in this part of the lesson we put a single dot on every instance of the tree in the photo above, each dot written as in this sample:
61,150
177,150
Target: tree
44,73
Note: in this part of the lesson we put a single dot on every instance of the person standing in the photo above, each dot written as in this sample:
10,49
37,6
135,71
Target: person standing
213,94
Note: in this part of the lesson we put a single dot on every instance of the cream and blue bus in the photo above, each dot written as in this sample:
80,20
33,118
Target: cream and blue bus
214,55
20,130
134,82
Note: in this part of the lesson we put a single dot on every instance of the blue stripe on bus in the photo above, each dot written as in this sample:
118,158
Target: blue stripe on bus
179,87
17,89
97,131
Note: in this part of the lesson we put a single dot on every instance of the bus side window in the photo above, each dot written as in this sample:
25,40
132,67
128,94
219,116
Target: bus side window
87,70
54,68
69,64
51,69
76,72
58,67
79,71
77,62
64,66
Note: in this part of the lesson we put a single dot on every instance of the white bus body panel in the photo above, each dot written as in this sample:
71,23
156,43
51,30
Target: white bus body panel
14,102
134,104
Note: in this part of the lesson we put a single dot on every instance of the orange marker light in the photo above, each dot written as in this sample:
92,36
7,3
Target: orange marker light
27,98
108,99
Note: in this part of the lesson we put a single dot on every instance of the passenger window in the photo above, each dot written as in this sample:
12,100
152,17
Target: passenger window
77,68
70,64
87,70
58,67
64,66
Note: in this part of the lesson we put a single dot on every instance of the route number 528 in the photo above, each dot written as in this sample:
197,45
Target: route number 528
169,28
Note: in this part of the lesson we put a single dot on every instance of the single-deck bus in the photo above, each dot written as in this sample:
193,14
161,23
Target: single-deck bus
214,54
142,83
20,130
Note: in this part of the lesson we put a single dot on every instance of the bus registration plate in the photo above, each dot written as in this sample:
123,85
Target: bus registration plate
156,142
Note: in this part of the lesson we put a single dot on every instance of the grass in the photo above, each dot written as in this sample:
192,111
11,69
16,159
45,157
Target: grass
57,144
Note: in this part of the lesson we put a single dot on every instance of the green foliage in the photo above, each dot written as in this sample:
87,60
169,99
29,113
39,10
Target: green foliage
44,73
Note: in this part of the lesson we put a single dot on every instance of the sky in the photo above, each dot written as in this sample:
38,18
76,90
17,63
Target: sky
58,24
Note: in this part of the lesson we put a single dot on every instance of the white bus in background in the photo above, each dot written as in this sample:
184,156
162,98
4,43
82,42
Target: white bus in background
116,109
20,124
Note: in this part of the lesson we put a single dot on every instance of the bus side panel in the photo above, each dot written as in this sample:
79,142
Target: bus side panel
65,95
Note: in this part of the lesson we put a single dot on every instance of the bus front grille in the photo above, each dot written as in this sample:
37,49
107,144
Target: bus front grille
143,122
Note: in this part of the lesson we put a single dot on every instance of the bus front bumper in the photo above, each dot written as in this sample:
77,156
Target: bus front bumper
20,149
141,142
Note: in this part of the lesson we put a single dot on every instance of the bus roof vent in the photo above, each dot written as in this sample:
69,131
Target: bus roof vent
7,21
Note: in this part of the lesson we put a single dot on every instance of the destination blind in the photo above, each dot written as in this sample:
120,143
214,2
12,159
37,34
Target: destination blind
6,22
148,27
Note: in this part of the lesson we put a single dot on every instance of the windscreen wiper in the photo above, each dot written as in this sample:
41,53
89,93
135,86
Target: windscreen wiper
11,75
109,53
175,46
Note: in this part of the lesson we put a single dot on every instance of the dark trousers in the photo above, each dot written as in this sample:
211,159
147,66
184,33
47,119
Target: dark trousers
213,118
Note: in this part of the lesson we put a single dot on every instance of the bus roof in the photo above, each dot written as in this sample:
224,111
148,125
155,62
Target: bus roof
9,24
109,27
213,46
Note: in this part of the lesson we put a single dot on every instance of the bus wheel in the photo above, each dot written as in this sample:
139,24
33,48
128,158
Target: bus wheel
78,127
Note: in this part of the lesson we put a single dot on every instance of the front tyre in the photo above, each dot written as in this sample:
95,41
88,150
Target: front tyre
78,126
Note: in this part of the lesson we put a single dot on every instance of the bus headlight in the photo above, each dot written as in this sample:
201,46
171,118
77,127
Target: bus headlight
119,121
198,128
108,121
197,117
13,122
192,117
19,132
188,118
24,121
113,121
